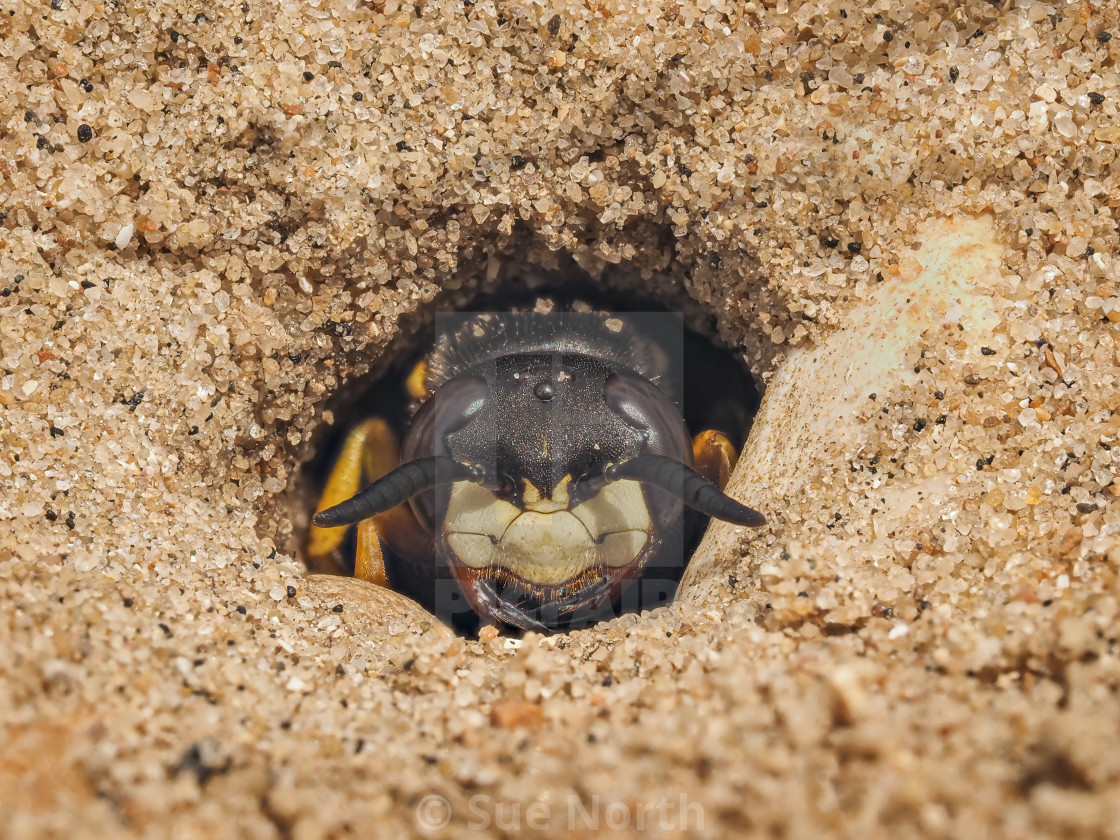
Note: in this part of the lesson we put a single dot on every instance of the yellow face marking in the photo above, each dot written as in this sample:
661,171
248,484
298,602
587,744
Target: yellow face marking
545,543
531,499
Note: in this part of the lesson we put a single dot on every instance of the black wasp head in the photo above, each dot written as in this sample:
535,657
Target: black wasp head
544,425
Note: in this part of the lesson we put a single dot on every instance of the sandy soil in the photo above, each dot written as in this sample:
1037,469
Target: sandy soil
213,218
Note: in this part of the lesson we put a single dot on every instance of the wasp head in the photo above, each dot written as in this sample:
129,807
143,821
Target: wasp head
550,474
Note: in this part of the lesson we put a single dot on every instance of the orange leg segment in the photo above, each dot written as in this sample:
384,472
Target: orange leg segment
715,457
417,382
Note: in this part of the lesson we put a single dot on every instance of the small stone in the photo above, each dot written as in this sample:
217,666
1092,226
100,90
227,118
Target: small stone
124,236
1065,126
1039,118
85,133
1046,92
143,99
839,75
848,695
516,714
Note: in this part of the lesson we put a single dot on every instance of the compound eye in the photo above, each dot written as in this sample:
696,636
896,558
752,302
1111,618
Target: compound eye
642,406
464,400
448,410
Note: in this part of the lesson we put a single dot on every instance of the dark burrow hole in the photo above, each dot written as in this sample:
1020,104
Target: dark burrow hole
717,392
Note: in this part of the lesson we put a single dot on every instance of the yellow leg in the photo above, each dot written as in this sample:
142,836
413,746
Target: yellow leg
344,481
417,382
715,457
369,452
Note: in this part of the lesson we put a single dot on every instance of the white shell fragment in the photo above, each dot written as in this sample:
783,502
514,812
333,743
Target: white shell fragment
124,236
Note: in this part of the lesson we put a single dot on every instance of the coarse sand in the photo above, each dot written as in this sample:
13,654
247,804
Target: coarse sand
901,215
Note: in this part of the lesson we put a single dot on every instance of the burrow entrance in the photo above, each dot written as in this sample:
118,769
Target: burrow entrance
718,389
